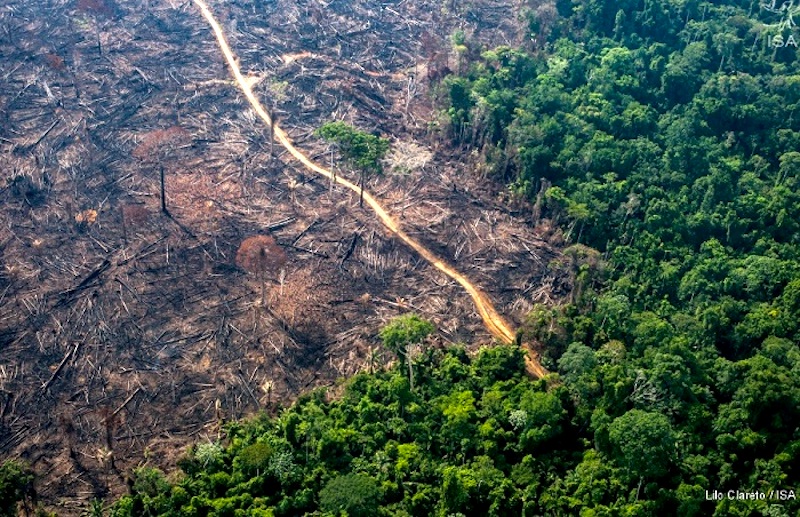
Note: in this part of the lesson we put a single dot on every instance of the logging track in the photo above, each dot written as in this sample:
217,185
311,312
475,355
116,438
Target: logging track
494,323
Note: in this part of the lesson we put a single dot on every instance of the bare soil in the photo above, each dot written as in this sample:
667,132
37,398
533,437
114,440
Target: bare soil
126,333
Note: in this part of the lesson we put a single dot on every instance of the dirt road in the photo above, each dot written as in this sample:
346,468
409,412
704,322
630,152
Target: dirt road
495,323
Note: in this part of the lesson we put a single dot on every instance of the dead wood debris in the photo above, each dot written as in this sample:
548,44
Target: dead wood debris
121,329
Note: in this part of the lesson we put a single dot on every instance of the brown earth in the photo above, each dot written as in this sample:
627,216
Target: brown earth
124,333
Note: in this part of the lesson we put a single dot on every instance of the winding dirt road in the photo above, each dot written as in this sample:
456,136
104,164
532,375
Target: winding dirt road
495,323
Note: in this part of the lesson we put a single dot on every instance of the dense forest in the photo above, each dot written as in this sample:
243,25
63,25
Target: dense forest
660,137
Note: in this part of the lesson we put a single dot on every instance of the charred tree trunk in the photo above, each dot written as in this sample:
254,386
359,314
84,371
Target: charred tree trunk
163,195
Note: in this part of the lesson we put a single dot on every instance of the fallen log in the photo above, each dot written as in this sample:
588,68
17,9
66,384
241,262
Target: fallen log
71,353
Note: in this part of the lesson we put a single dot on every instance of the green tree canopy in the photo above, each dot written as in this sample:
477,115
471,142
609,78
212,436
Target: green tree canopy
356,494
405,330
16,485
362,150
644,442
358,148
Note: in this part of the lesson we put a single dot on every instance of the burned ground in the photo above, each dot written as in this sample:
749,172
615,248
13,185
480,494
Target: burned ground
125,331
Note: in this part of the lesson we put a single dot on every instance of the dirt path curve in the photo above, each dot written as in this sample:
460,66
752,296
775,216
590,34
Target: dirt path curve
496,325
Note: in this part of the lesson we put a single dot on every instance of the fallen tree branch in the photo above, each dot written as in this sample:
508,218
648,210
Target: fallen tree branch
67,357
127,400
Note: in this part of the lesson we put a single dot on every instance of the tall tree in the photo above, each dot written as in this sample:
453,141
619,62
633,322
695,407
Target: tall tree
403,332
359,149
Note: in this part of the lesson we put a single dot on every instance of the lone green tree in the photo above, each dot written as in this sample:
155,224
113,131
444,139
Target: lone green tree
360,150
403,332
